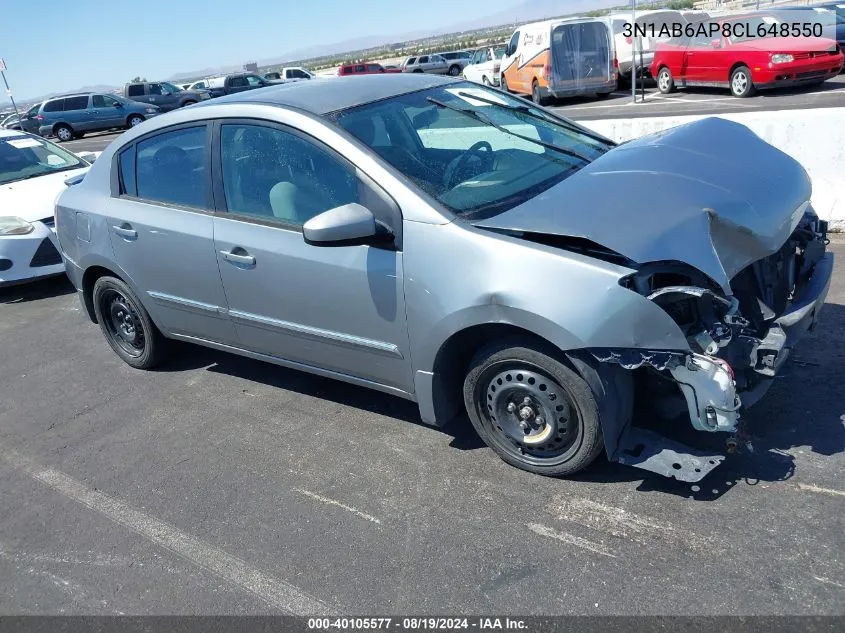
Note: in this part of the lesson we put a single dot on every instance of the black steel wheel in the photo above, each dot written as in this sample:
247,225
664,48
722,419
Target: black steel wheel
532,409
454,70
126,324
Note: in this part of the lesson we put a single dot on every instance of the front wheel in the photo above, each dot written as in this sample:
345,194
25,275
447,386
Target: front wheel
485,81
126,324
741,84
454,70
534,411
665,81
503,84
187,103
133,120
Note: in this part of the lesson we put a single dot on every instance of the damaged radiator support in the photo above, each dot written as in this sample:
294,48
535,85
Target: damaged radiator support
709,389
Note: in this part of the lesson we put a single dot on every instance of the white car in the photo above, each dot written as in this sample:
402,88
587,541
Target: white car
484,65
33,172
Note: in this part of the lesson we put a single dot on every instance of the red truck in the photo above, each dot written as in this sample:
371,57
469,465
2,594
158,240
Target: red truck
748,60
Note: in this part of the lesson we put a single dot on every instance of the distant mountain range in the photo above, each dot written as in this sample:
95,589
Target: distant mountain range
526,11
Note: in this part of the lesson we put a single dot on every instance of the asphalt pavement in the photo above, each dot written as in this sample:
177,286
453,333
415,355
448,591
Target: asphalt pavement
221,485
620,104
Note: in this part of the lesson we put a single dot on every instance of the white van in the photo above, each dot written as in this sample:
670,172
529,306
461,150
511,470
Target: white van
560,58
653,22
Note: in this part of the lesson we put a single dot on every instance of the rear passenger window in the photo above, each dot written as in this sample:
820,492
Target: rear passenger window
135,91
171,167
127,172
54,106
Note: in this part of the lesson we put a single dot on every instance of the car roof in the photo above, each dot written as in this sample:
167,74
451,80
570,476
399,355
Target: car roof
323,97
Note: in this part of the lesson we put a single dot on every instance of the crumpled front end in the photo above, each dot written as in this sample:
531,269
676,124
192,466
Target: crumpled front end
738,343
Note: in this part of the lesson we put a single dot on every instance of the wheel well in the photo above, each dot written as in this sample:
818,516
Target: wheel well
89,278
454,356
734,67
60,124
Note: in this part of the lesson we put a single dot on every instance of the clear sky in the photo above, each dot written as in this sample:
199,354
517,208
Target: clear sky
66,45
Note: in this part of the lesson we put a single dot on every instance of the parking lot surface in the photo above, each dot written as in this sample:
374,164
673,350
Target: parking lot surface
619,105
221,485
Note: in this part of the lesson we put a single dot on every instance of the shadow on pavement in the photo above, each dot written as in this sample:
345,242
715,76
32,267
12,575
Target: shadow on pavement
34,290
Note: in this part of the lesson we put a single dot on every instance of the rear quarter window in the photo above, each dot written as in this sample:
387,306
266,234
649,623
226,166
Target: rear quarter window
54,106
126,167
135,91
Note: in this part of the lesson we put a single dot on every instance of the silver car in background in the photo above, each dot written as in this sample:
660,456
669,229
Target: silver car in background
457,246
433,64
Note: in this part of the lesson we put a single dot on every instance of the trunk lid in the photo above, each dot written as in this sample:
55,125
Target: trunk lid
711,194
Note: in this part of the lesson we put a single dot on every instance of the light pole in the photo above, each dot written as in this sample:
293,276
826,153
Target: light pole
634,50
8,90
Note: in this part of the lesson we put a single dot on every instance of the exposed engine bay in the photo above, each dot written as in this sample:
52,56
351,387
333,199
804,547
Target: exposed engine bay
737,342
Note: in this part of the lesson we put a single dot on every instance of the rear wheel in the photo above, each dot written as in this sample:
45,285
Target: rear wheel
187,103
536,94
665,81
454,70
134,119
741,84
126,324
504,84
64,133
533,410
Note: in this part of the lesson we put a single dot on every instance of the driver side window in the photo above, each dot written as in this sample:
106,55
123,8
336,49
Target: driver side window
274,174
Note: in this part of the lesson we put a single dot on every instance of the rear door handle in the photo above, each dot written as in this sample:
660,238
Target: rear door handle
126,232
242,259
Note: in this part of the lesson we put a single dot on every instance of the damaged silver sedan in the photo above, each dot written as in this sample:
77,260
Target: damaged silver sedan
462,248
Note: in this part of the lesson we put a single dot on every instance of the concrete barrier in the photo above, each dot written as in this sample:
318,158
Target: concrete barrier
815,138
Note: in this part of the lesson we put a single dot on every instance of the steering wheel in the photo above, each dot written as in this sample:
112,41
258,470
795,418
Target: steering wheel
482,150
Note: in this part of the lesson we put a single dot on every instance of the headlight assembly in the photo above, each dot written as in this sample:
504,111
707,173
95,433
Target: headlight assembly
12,225
782,58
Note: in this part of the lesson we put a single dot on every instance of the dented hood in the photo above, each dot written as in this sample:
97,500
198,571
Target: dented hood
711,194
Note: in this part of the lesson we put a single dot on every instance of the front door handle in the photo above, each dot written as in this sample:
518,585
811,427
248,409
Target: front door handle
242,259
126,232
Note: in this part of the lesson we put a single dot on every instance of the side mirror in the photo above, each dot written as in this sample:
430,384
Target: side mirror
340,225
716,43
118,104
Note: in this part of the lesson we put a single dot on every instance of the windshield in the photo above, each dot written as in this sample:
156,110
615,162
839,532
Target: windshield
477,151
23,157
171,88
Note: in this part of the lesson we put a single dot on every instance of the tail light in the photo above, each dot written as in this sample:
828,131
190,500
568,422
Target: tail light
547,73
629,40
40,117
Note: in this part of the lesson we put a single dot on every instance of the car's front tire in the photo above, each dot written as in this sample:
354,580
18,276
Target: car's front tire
126,324
133,120
532,409
188,102
454,70
741,84
536,94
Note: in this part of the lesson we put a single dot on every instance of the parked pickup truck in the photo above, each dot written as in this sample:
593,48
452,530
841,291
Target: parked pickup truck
289,73
163,94
237,82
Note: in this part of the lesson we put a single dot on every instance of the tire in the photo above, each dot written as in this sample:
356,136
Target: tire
665,81
503,84
133,120
536,96
188,102
741,84
484,80
535,386
63,133
126,324
454,70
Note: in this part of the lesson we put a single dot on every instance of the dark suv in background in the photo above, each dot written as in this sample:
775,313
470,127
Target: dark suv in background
71,116
163,94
